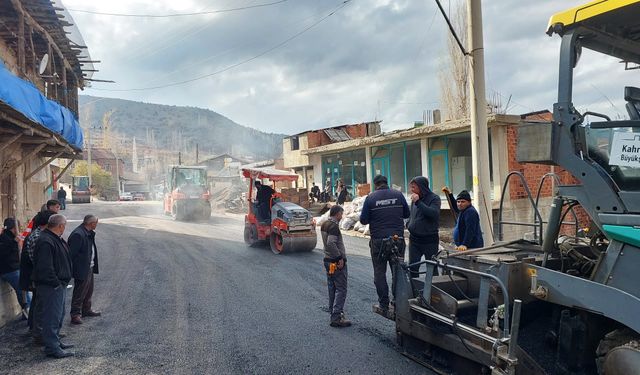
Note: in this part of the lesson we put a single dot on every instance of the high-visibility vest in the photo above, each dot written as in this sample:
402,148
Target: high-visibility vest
28,230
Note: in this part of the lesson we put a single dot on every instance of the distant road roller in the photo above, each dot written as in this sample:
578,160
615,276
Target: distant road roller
289,228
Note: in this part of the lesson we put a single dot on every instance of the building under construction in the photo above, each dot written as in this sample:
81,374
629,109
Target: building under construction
43,63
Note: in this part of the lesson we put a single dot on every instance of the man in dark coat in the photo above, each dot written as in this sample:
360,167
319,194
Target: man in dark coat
423,222
10,262
62,198
51,274
263,199
467,233
26,268
84,258
384,210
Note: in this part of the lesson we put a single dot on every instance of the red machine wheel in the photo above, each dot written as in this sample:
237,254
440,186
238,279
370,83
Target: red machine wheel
250,235
277,244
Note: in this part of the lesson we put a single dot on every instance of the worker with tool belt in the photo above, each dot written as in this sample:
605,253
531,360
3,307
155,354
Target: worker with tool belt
335,264
384,210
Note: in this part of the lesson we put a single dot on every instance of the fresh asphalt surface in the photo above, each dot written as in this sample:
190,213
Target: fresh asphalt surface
192,298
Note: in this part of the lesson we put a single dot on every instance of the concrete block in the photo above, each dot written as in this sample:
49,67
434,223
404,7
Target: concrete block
9,308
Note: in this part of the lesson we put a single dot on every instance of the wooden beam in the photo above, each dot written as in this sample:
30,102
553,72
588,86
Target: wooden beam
32,131
21,53
21,162
47,162
62,172
27,17
10,141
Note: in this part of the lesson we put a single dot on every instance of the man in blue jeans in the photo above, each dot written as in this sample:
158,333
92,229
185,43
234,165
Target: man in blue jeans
51,274
10,245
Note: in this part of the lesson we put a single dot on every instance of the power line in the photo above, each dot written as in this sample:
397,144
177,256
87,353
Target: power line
344,3
176,14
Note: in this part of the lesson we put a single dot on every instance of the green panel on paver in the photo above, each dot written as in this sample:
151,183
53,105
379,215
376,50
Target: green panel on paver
626,234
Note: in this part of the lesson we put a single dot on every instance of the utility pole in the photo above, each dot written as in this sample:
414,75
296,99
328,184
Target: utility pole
479,131
89,155
117,173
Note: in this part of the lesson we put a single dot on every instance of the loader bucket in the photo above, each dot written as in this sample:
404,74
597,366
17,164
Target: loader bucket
293,243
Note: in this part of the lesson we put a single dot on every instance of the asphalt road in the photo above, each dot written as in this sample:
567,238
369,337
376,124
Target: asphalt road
185,298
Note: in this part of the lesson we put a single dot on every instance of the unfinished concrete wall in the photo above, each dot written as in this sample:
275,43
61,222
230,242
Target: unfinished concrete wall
295,158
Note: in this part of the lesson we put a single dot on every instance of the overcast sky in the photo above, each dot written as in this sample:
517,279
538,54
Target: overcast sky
371,59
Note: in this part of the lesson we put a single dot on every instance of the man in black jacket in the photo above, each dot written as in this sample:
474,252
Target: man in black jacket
10,261
384,210
263,200
51,274
62,198
423,222
84,258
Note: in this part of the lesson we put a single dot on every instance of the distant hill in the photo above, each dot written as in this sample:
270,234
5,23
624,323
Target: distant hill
180,128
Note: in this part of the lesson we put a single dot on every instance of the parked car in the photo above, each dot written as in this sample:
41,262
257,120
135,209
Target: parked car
126,196
139,196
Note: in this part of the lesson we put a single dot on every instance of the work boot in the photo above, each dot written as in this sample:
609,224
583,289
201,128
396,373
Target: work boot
76,319
381,308
66,346
60,354
342,321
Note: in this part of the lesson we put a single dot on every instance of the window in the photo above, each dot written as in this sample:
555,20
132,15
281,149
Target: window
399,162
295,143
414,159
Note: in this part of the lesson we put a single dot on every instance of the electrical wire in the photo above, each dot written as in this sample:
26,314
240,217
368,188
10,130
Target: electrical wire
176,14
209,58
294,36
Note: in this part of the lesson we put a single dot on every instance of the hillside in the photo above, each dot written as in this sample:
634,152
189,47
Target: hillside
180,128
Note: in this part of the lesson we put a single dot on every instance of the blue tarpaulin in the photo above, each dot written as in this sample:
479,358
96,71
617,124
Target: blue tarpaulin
25,98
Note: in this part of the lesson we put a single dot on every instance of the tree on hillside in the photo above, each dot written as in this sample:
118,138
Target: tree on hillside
101,180
454,71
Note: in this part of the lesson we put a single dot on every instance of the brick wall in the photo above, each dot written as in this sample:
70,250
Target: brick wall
533,174
318,138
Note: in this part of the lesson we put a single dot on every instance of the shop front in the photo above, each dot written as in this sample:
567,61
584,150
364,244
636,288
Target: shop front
399,162
347,166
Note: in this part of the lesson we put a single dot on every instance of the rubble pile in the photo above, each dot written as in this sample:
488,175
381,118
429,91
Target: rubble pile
351,217
230,198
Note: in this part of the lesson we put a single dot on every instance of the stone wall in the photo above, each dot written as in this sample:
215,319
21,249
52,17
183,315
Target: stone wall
9,308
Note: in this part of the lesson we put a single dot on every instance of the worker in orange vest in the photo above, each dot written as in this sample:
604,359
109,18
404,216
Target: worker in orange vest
51,205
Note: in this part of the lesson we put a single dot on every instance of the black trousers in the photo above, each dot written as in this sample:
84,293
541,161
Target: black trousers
417,250
82,293
52,301
380,263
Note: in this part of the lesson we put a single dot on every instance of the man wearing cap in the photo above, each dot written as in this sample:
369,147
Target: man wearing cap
384,210
467,233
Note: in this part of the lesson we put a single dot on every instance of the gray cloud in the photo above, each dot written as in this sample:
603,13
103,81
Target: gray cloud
372,58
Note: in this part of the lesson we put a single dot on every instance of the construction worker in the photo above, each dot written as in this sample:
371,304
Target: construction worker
467,233
335,264
51,205
263,200
423,223
384,210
